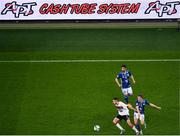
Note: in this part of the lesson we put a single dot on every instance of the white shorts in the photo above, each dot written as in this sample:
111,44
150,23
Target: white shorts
142,116
126,91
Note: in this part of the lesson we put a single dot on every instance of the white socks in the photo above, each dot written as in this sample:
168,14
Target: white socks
119,126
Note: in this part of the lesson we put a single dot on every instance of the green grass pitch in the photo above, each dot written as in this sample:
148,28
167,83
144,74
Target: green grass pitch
70,98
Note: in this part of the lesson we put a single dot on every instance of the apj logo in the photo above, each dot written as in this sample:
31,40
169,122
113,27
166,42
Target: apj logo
168,8
24,9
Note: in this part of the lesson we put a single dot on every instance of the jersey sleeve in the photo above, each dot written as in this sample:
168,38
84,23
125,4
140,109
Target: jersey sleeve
137,103
130,74
121,104
119,75
146,102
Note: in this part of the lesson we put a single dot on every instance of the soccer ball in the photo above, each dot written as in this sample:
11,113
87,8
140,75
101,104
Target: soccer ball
96,128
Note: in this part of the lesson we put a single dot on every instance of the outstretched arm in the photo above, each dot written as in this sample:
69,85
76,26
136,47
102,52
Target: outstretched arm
117,82
132,77
131,107
155,106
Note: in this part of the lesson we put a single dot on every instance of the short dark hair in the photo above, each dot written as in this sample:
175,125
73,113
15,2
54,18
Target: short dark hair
115,98
124,66
140,95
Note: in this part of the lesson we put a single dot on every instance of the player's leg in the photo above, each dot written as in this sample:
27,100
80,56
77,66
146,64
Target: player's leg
131,125
142,119
142,122
125,93
136,121
116,123
130,91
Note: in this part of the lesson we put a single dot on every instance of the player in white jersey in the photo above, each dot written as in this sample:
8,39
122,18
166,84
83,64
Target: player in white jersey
123,113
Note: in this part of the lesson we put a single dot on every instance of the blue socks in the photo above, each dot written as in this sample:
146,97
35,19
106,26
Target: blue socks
138,127
126,99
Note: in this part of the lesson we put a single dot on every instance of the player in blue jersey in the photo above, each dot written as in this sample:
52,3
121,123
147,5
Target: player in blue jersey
139,115
124,83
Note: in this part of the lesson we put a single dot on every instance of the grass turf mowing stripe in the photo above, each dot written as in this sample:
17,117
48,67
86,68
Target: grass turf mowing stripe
34,97
74,61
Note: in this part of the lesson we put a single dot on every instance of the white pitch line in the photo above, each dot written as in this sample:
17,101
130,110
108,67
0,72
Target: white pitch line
78,61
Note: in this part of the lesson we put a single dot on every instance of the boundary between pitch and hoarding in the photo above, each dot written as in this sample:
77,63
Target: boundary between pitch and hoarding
80,61
101,25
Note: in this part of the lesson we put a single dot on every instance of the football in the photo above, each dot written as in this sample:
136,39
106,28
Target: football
96,128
